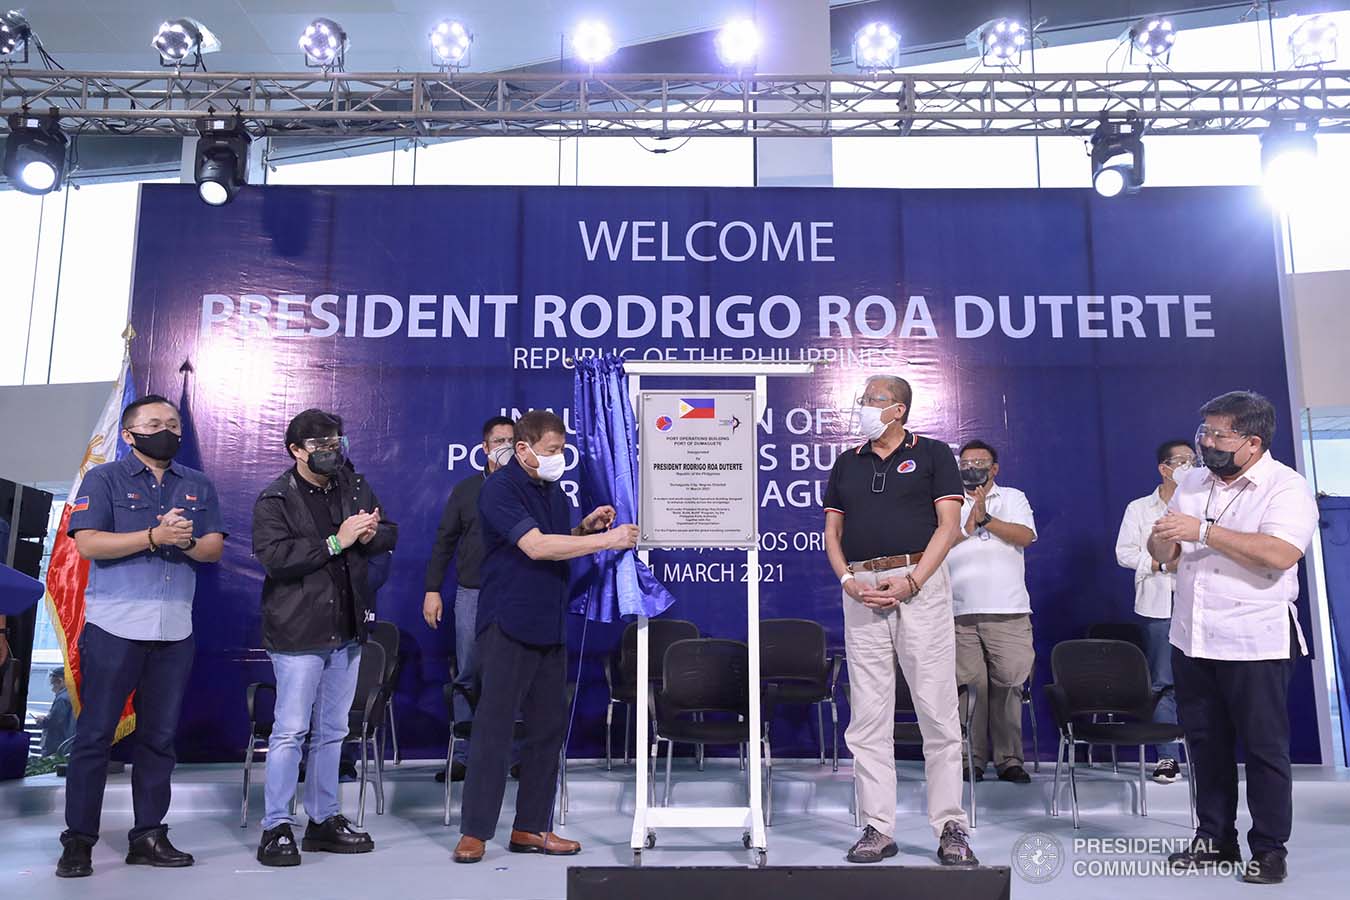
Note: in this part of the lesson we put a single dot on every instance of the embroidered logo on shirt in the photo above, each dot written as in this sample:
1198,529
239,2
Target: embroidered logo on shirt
906,467
80,504
192,497
132,495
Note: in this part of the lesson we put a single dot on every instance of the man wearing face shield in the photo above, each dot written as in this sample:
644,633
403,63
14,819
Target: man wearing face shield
1234,533
1154,584
994,650
315,530
460,538
144,523
892,511
522,636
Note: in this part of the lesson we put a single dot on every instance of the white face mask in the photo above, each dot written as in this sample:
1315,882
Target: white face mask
869,421
501,455
551,468
1180,471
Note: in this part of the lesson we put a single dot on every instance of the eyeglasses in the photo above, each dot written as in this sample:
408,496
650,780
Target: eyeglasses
316,445
1173,462
150,426
1217,434
976,464
872,400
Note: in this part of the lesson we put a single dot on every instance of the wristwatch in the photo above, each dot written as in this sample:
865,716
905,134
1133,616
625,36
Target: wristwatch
192,542
985,521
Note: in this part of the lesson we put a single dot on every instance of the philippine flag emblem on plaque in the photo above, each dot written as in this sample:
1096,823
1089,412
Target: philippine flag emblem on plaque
698,408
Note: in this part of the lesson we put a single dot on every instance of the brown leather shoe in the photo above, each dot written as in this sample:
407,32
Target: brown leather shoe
548,844
469,850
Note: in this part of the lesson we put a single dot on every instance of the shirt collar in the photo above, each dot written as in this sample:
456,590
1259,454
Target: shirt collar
910,441
132,465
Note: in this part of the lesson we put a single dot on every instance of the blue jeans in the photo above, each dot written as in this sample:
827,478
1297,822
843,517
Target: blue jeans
313,687
1159,652
466,657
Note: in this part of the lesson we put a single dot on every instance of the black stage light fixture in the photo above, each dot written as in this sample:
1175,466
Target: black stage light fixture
1118,156
221,167
35,152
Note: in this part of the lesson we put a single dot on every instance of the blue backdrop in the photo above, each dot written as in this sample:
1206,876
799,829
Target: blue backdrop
1071,332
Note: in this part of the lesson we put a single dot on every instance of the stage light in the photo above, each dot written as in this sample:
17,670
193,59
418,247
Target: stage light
592,43
738,43
1000,42
1118,157
876,46
1289,161
221,166
35,153
14,36
325,44
450,43
1152,36
1313,42
181,41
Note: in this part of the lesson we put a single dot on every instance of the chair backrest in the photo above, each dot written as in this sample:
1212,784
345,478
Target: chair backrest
386,635
792,650
1099,676
370,677
1116,631
904,701
661,633
706,675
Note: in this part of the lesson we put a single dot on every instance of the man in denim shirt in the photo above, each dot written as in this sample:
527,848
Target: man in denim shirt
144,523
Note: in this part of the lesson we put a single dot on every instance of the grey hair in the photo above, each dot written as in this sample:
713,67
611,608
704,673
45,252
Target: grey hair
899,389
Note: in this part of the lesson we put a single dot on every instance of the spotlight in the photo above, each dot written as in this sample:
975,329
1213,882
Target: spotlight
181,40
325,45
221,166
1152,36
35,153
1000,42
450,43
1118,157
738,43
876,46
14,35
1313,42
1288,161
592,43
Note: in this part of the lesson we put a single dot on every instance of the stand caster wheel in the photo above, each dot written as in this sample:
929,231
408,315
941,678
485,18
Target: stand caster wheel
651,840
637,859
745,840
760,858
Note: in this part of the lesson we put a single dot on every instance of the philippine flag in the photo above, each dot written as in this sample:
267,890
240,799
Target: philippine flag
664,423
698,408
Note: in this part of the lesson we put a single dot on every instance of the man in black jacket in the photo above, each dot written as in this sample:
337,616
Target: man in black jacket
315,531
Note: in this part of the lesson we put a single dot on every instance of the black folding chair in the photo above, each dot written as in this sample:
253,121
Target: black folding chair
1029,705
1106,678
386,634
621,673
794,657
1114,631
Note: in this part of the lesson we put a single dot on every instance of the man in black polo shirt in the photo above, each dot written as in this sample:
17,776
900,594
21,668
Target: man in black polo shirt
459,537
892,511
522,636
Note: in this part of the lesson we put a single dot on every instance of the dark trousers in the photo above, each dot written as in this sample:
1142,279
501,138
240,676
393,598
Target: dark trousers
111,668
1218,703
530,679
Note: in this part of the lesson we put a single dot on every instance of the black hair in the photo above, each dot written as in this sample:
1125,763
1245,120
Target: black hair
1165,449
312,423
978,445
496,422
536,423
1252,414
129,413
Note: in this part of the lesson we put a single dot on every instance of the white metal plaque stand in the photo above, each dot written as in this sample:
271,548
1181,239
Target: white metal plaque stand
747,819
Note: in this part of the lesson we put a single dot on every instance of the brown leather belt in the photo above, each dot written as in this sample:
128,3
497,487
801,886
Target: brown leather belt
882,563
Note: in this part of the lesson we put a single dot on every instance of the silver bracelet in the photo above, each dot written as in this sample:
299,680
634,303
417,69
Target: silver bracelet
1204,534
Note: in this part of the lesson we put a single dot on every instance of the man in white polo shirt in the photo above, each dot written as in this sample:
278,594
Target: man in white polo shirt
1235,531
1154,583
994,649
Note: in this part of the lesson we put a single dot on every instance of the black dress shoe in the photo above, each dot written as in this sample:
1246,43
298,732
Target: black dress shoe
1205,852
965,774
277,847
515,771
1266,868
76,859
336,835
154,849
1016,774
457,772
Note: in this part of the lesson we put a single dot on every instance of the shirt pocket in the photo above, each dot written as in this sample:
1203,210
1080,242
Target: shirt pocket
132,514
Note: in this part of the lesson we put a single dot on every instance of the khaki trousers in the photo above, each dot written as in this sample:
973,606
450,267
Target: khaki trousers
919,635
994,653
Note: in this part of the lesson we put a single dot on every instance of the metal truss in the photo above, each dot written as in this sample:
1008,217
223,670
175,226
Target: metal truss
434,105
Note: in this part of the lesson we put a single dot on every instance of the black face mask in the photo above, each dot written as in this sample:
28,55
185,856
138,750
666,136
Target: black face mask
162,445
974,477
325,462
1221,462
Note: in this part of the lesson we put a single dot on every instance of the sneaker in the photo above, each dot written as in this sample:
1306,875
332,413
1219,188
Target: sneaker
277,847
954,847
1167,771
872,847
1016,774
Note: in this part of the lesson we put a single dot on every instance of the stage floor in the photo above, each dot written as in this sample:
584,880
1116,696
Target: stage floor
812,827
